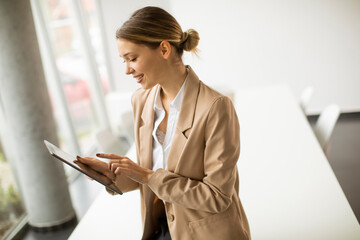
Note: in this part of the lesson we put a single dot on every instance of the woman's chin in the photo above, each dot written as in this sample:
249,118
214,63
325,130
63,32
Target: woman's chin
147,86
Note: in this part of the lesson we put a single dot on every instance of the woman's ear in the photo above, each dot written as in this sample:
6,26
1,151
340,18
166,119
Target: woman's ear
165,48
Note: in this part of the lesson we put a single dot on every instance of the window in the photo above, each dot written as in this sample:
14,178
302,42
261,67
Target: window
11,207
72,67
75,81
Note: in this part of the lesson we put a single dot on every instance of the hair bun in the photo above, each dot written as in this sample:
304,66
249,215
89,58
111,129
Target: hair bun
190,40
184,37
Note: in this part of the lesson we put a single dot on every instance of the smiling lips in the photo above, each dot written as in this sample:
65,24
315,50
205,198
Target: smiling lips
139,78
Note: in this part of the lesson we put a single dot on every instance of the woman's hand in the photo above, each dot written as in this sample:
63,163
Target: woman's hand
123,165
96,168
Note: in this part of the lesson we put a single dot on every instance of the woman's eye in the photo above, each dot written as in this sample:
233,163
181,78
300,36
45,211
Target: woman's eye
130,60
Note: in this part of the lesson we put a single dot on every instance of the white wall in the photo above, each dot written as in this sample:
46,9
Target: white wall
251,43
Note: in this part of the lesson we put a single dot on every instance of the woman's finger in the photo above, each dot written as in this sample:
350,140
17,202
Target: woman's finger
120,170
112,162
114,166
83,167
91,162
97,165
93,173
85,160
109,156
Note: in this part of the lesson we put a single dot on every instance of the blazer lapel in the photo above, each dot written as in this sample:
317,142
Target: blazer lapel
145,153
185,120
145,131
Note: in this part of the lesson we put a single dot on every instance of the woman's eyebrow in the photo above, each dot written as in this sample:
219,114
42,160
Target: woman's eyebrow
126,54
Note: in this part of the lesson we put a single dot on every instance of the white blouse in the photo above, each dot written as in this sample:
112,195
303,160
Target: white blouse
162,141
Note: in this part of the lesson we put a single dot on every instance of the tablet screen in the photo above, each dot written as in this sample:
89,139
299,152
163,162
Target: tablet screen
68,159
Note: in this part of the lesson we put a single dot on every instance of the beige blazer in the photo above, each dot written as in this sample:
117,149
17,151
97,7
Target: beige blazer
201,185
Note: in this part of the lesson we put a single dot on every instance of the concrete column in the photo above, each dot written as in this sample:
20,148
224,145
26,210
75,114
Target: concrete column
29,116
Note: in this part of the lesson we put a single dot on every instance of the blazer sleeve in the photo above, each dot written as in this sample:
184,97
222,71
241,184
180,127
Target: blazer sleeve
222,148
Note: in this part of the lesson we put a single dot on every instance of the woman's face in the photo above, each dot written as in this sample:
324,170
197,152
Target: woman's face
143,63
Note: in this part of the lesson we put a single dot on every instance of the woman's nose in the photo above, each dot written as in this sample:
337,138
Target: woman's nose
128,69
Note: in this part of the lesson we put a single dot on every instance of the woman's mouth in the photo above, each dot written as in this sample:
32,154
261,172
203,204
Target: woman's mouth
139,78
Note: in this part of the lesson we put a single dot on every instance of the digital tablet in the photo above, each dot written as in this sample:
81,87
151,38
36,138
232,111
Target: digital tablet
68,159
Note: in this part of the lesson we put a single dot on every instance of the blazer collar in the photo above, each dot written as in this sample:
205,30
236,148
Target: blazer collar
147,114
188,105
185,120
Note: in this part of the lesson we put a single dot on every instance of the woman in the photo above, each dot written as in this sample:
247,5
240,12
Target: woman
187,138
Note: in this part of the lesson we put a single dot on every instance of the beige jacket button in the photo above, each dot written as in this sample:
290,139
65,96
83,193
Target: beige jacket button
171,217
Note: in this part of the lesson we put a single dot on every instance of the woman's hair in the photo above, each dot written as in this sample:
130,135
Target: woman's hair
152,25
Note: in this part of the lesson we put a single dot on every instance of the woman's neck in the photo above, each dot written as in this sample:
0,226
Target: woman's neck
175,79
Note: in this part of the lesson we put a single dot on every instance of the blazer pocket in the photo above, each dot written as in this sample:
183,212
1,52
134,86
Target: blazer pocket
225,226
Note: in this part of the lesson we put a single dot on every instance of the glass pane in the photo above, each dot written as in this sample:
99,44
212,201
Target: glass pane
11,207
96,41
72,67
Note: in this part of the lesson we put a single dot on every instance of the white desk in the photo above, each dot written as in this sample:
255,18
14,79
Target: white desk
112,217
287,187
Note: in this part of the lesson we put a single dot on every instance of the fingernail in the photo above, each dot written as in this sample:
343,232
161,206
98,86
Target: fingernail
98,154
